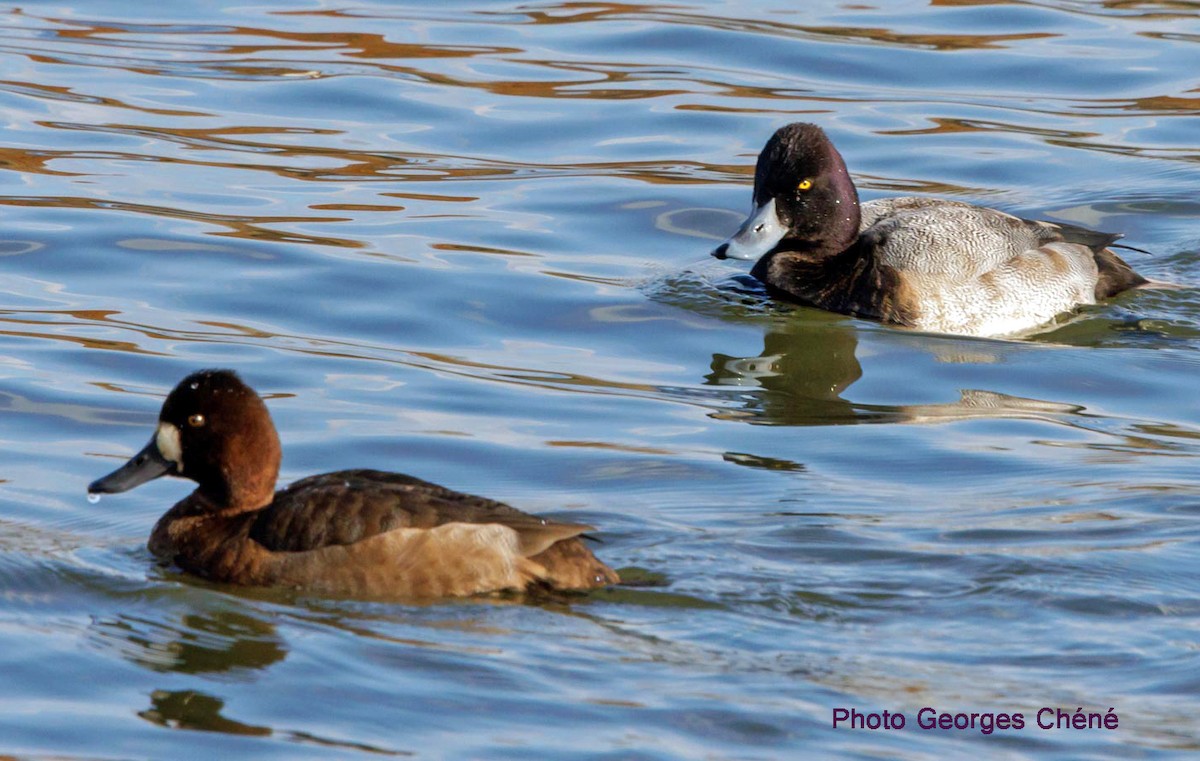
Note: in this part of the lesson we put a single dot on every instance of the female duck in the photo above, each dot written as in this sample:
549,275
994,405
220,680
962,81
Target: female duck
925,263
354,532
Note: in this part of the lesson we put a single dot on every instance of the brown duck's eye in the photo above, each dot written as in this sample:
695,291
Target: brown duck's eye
196,420
804,184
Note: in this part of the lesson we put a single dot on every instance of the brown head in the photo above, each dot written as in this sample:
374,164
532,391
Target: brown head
804,199
215,430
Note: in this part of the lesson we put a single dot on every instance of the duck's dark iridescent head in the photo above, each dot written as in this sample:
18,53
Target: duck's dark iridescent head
804,199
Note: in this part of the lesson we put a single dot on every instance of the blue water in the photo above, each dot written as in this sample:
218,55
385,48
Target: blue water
468,241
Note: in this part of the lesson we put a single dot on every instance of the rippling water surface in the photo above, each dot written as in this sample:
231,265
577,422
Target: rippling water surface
468,241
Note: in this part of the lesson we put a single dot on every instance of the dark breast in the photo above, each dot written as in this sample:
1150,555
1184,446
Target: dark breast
351,505
850,282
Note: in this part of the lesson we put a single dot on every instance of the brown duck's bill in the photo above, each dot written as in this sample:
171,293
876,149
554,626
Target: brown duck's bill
144,466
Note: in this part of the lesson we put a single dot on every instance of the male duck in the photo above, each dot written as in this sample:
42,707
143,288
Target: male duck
925,263
354,532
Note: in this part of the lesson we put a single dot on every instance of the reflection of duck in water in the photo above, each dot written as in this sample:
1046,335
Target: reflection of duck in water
355,532
925,263
190,709
803,372
196,644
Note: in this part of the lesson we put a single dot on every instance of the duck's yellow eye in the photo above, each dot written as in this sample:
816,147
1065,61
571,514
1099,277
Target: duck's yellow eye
805,184
196,421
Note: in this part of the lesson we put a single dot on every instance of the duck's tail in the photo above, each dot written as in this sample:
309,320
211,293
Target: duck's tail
1114,275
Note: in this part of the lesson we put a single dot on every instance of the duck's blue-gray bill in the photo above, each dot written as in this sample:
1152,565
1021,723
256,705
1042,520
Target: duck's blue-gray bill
144,466
755,237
